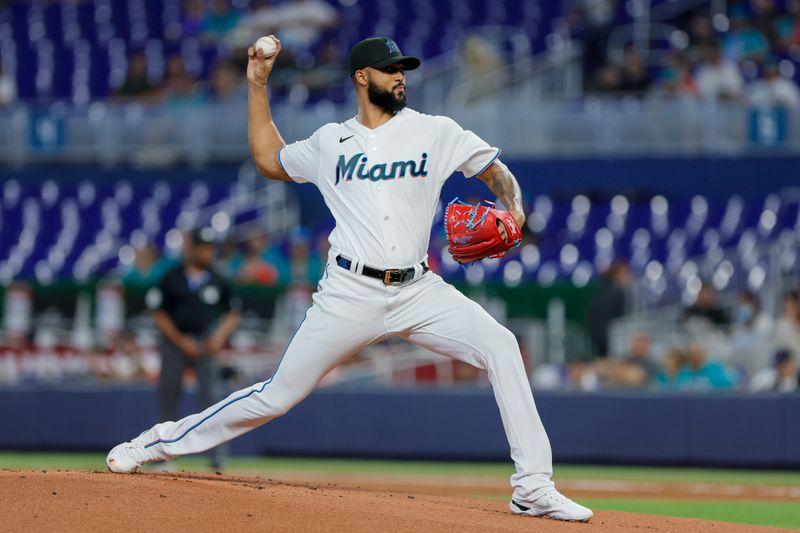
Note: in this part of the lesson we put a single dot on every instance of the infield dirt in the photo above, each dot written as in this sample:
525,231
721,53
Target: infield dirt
80,501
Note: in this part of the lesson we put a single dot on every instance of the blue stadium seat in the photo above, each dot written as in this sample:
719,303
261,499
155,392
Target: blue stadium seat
427,28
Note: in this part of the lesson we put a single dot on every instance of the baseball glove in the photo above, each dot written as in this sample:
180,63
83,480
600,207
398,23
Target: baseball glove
473,231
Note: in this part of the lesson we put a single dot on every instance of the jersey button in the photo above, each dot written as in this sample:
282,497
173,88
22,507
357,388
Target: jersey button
394,248
386,217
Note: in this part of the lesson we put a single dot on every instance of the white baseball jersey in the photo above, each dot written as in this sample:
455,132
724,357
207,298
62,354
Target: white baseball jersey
382,185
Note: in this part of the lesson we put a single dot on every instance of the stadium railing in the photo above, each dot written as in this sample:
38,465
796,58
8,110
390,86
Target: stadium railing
136,134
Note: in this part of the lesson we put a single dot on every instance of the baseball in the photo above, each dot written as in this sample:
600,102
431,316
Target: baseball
266,45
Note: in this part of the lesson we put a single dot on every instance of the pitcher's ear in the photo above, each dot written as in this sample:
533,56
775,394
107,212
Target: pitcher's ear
360,78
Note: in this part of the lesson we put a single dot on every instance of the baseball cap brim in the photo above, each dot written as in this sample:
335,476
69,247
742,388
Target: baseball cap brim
408,62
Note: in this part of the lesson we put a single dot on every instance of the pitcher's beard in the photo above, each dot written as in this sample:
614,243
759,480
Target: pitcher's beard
386,100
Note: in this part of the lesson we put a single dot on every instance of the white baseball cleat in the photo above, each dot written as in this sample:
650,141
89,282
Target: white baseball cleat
126,458
553,505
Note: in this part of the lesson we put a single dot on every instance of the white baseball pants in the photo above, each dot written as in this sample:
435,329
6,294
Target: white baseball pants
350,312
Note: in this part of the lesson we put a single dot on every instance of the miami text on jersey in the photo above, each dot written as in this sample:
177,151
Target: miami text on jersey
345,170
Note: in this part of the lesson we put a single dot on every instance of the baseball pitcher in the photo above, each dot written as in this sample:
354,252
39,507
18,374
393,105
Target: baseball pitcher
381,173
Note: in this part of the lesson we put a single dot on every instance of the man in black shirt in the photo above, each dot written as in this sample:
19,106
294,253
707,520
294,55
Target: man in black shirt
609,301
705,313
196,313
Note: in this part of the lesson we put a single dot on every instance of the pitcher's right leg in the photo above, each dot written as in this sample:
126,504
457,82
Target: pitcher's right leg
330,333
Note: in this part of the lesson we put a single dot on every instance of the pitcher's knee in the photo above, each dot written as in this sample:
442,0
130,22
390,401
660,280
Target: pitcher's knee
279,406
504,346
506,340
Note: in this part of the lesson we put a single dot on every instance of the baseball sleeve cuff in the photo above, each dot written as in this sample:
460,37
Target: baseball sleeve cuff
492,160
296,179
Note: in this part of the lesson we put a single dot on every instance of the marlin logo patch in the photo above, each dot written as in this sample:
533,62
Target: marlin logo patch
358,166
392,46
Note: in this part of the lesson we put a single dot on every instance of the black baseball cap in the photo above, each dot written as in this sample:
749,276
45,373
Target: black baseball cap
377,52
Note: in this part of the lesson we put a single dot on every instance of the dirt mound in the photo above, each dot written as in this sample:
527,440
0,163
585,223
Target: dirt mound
76,501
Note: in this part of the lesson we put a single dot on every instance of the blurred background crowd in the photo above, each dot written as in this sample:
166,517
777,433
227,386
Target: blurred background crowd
747,54
190,52
717,348
123,127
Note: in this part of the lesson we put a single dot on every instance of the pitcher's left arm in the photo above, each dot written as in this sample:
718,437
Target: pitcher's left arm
505,186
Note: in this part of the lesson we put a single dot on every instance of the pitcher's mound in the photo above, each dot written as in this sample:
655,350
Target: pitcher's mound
75,501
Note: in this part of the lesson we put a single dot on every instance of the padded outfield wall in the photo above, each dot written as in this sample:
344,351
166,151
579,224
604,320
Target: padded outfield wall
620,428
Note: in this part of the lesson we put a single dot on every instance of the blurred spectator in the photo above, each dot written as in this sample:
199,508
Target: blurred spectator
752,330
787,330
8,89
787,28
640,357
222,19
305,270
598,13
297,23
322,246
781,377
765,17
606,80
306,265
137,85
227,83
286,72
582,376
225,259
329,71
701,34
749,306
193,16
608,302
717,78
674,361
637,369
676,79
253,269
179,88
261,264
774,89
704,313
744,41
147,267
484,70
635,78
701,374
598,16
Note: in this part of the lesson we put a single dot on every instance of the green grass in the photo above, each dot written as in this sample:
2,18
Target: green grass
44,460
680,475
762,513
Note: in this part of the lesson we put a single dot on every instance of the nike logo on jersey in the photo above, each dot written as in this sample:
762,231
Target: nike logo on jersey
357,165
343,139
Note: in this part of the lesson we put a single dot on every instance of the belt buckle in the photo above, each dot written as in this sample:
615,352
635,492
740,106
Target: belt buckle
387,276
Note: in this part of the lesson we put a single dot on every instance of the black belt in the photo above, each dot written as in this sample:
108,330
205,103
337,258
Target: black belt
392,276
